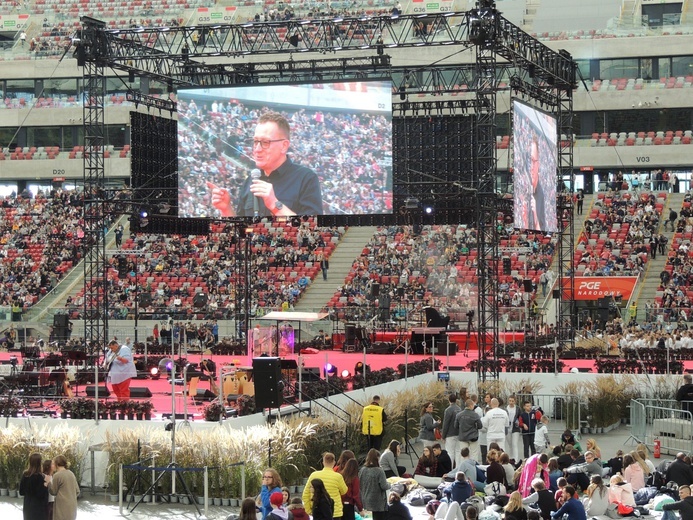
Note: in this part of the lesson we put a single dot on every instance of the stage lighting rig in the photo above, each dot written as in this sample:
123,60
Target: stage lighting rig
483,24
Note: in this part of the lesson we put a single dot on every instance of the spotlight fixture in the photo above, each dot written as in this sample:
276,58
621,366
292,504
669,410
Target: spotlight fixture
166,364
294,39
330,370
359,367
411,203
345,374
154,373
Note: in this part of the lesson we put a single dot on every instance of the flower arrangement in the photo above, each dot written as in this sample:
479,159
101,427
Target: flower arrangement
10,406
214,411
246,404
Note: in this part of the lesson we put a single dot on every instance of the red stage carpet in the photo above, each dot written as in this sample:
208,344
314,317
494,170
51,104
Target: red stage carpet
161,389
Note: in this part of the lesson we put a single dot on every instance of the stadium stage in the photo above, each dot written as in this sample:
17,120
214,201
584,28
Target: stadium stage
40,383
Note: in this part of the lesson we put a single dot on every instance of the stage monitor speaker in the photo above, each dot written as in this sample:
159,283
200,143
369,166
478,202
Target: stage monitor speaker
556,294
103,391
375,290
310,374
139,391
268,383
60,320
381,347
205,395
442,347
527,285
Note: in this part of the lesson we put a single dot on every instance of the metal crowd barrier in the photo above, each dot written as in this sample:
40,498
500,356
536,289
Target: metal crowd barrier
662,419
563,410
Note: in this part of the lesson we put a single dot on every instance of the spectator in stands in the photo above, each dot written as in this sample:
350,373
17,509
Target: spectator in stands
443,461
679,471
684,506
285,188
580,471
541,497
572,507
685,393
597,500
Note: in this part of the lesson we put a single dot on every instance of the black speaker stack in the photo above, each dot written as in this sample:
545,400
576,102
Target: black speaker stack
269,388
60,327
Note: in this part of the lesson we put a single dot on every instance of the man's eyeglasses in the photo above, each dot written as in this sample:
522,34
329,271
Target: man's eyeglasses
265,143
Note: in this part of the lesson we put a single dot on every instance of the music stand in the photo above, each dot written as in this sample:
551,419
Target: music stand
77,357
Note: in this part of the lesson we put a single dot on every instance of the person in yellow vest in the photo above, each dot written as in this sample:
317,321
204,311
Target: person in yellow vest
16,311
373,423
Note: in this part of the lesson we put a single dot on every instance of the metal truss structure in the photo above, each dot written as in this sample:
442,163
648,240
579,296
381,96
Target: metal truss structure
96,197
232,54
486,212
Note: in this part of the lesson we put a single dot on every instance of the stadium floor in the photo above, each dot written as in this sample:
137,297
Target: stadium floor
99,506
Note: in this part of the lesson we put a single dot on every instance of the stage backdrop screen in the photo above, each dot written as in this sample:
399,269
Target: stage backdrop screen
236,157
535,155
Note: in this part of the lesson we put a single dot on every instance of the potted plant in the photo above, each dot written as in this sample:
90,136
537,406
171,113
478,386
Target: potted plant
103,409
66,407
214,411
146,407
10,406
109,410
246,404
130,408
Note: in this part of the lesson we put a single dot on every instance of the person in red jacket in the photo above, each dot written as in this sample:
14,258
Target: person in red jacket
351,500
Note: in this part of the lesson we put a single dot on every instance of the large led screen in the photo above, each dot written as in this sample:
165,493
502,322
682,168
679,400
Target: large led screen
535,154
281,150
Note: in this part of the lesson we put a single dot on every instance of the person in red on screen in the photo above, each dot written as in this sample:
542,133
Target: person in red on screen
281,187
536,198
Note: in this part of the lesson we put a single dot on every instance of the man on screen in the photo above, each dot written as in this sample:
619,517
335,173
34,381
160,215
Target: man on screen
537,216
283,187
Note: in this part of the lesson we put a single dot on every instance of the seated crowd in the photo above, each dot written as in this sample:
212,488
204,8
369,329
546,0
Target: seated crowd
524,475
438,265
40,240
172,271
620,234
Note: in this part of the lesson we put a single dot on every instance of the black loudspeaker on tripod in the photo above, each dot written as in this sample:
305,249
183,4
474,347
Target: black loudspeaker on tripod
269,387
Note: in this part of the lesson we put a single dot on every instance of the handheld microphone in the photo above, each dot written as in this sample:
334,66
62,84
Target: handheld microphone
255,174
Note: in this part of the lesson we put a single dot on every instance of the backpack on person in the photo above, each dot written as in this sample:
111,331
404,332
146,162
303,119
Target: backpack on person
656,479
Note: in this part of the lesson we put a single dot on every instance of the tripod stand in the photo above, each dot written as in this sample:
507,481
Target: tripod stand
179,478
470,328
409,442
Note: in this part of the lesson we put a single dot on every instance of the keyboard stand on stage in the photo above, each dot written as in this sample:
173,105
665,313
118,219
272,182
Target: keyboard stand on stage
431,332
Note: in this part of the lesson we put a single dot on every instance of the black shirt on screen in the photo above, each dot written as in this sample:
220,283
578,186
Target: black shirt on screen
295,186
